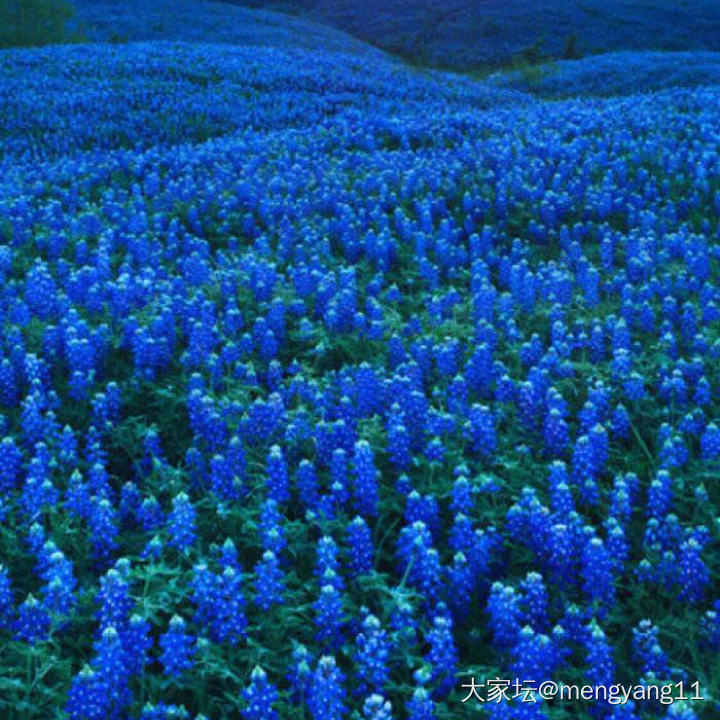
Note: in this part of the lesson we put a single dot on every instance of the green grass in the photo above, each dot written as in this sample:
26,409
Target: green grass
29,23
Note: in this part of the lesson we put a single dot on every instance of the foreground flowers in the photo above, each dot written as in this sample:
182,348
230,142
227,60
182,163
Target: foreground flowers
362,381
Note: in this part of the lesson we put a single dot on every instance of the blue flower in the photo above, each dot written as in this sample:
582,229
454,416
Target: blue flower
178,648
372,656
360,547
329,617
269,582
32,624
326,695
259,696
181,523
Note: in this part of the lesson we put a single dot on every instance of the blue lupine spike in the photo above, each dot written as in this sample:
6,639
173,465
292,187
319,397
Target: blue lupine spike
205,594
562,559
259,697
326,694
482,430
503,607
178,648
461,497
228,556
710,442
597,572
647,651
462,581
228,621
59,591
442,656
6,599
372,656
365,486
151,515
307,484
271,529
329,617
533,655
103,522
10,465
420,706
137,643
327,559
420,560
32,624
181,523
693,573
112,674
300,674
423,508
269,581
598,658
339,468
85,697
660,495
399,444
556,434
278,483
535,602
114,599
360,547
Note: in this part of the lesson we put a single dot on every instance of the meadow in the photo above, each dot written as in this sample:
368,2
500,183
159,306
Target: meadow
328,384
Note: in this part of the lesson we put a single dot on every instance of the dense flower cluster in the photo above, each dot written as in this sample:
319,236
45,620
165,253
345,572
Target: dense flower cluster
337,372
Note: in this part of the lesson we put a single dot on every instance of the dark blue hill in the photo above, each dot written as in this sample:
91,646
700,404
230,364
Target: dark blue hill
466,34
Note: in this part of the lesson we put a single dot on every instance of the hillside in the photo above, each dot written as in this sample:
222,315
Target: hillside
160,94
469,34
207,21
621,73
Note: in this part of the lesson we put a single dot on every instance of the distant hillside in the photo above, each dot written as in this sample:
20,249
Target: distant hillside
205,21
466,34
621,73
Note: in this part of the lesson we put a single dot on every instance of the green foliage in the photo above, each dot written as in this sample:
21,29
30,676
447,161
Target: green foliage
27,23
531,73
571,50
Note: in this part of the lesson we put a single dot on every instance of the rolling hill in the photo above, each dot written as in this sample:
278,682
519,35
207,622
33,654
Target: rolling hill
206,21
470,34
620,73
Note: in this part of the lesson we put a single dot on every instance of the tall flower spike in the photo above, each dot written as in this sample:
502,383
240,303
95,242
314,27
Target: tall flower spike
329,617
33,622
598,579
178,648
372,656
181,523
6,599
535,601
443,656
360,547
365,486
259,696
269,582
278,483
599,659
421,706
326,696
647,651
503,607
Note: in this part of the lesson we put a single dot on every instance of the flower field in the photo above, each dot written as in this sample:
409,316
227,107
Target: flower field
327,385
